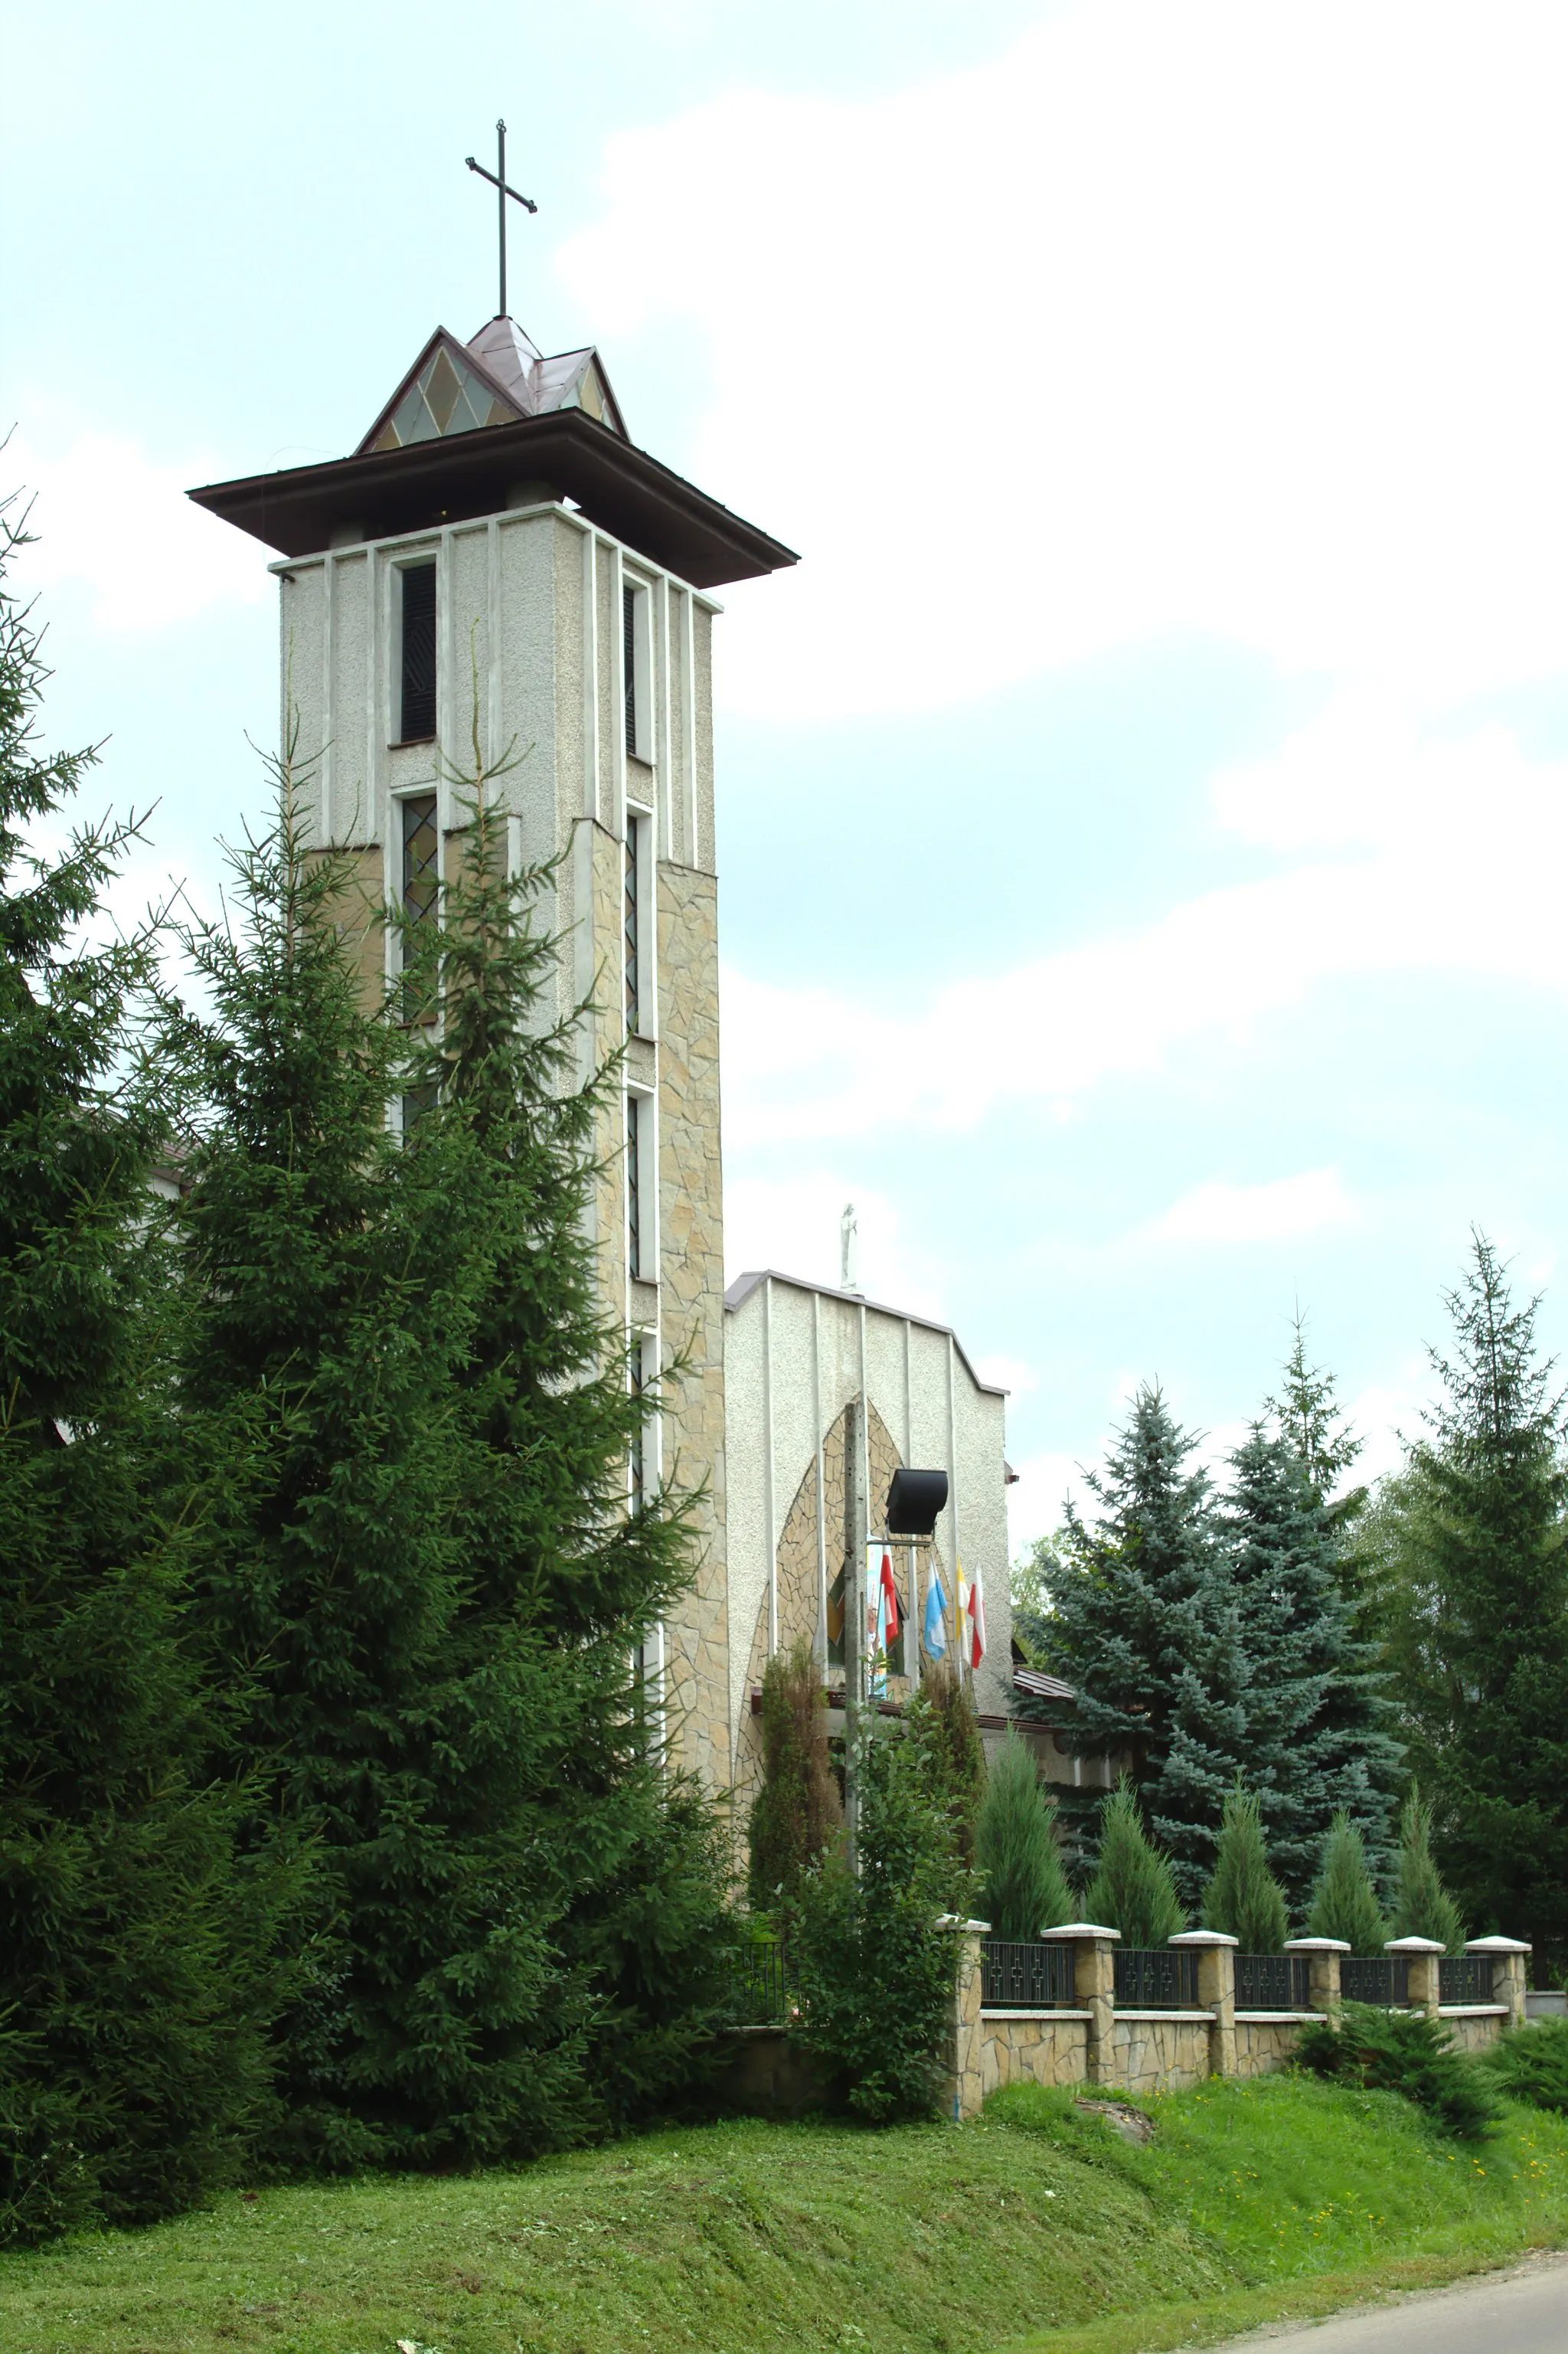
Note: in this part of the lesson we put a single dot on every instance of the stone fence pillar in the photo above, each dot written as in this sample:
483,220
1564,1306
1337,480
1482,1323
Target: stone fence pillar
1423,1954
1217,1993
1094,1985
1509,1955
966,2079
1323,1956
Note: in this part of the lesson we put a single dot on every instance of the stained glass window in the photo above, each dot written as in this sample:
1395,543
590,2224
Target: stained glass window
630,929
633,1186
628,659
417,721
445,396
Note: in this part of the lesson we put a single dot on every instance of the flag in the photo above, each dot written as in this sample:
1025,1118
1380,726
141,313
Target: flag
976,1625
889,1622
935,1615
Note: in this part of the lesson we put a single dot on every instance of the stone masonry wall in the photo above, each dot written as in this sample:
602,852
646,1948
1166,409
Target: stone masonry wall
690,1270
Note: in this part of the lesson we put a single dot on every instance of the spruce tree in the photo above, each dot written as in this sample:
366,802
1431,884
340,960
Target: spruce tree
1422,1906
1310,1419
1344,1902
332,1292
567,1539
1480,1619
135,1979
797,1807
1024,1887
1317,1719
1243,1898
1134,1889
1144,1625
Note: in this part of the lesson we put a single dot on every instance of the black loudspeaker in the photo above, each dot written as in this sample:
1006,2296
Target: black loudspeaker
914,1500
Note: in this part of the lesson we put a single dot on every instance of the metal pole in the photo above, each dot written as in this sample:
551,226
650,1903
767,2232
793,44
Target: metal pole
501,206
851,1634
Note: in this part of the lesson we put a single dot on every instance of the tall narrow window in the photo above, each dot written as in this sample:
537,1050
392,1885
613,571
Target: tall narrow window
417,722
637,1453
634,1186
420,882
421,856
629,661
631,941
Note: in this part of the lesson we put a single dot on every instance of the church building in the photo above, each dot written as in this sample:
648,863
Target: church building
498,569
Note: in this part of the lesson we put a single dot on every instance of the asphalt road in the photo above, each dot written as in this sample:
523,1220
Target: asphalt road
1524,2311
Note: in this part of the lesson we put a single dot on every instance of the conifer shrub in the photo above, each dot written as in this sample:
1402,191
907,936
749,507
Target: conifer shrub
1422,1906
1133,1889
876,1955
797,1808
1532,2064
1244,1899
1344,1902
1024,1888
952,1738
1403,2051
138,1970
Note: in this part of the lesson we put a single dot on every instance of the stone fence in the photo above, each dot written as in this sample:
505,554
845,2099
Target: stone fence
1082,2035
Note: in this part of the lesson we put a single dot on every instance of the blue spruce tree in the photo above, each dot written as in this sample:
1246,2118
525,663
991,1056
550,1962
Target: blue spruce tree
1316,1738
1144,1625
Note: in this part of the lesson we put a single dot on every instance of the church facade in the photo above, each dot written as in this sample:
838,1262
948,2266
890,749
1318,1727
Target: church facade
498,579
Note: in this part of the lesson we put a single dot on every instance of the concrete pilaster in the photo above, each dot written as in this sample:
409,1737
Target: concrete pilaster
1323,1954
1217,1993
1423,1954
1093,1986
966,2086
1509,1957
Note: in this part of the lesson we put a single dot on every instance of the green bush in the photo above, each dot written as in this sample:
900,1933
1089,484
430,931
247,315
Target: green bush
1404,2051
876,1958
1532,2064
1344,1902
797,1807
1024,1889
1132,1889
1244,1899
1422,1906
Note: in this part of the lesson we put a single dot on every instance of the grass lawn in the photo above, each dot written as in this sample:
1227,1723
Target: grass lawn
1033,2225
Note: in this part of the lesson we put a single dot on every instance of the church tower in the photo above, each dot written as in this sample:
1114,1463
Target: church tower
499,558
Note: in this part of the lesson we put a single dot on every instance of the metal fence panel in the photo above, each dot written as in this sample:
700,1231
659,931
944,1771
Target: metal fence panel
1162,1977
760,1987
1384,1980
1020,1973
1274,1982
1465,1978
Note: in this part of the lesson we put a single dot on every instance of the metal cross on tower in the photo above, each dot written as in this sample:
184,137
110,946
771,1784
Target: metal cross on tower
498,181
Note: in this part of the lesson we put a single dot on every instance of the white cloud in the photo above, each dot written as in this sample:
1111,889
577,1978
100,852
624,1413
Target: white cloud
115,523
1034,1505
1274,1211
1389,817
1219,320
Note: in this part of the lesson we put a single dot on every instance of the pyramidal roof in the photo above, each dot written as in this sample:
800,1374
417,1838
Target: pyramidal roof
499,377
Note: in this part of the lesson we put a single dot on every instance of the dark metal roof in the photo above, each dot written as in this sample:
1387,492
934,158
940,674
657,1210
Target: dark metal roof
565,454
1040,1686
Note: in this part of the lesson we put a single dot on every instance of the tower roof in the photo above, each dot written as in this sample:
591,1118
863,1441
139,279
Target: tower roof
475,427
499,376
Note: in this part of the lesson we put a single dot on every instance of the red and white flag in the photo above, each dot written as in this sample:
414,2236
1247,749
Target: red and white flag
889,1600
977,1624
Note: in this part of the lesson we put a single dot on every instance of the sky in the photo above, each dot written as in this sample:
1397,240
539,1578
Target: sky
1144,811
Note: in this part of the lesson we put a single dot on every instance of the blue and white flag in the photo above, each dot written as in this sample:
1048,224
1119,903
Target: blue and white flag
935,1616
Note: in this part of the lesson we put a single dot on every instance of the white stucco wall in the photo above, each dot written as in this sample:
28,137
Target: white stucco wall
792,1363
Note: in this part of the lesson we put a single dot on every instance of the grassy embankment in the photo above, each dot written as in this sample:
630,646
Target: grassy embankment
1035,2224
